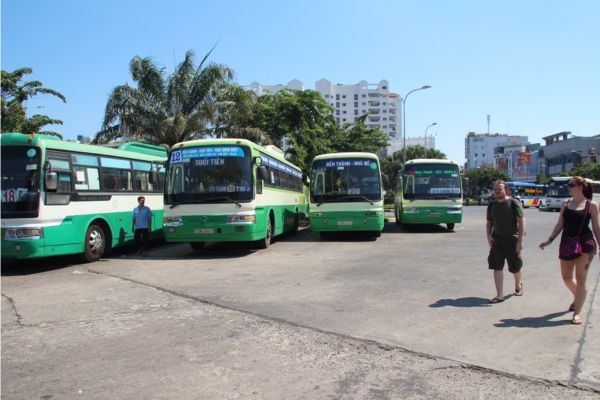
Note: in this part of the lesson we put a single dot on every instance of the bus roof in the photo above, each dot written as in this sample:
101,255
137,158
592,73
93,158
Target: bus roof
140,151
530,184
430,161
270,150
355,154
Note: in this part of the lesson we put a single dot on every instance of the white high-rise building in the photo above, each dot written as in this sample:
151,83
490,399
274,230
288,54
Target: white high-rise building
259,89
353,101
479,148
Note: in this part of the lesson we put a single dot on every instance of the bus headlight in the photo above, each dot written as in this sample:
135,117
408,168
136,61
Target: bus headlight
172,221
374,213
411,210
454,210
241,218
24,234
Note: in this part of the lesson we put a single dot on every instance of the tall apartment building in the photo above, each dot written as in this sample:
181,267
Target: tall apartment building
353,101
479,147
259,89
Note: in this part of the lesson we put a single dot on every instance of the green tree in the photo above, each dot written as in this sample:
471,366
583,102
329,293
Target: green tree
480,179
589,170
300,119
358,136
165,110
14,97
236,110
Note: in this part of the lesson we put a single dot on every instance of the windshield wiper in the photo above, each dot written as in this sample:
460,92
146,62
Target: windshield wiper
174,198
357,197
322,197
227,199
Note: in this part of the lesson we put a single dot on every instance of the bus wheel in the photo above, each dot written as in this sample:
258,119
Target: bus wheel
266,241
450,227
94,243
197,245
377,234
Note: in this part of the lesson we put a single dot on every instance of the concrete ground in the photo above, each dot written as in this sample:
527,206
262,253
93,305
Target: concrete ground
402,316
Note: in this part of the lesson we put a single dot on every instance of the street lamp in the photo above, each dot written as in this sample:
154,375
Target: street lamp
404,120
426,129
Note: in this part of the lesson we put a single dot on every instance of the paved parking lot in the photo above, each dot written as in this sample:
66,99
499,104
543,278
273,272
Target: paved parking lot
405,315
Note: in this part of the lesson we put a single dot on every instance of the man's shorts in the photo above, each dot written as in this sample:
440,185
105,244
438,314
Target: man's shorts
505,249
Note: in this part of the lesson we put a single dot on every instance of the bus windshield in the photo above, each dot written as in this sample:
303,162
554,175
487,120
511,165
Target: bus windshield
345,179
431,181
209,174
20,181
557,189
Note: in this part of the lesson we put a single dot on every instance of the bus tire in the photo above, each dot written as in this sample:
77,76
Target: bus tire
266,241
324,235
197,245
377,234
450,227
94,243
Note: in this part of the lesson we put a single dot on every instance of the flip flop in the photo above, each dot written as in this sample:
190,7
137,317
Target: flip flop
572,307
496,300
519,292
576,321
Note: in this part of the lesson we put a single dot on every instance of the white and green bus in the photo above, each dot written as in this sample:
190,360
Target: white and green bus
346,193
62,197
429,191
230,190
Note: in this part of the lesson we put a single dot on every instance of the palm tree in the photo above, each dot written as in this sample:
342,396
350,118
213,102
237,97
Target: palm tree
165,110
14,96
236,114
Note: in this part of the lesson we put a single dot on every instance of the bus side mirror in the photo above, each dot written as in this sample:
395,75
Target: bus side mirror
305,179
51,180
263,173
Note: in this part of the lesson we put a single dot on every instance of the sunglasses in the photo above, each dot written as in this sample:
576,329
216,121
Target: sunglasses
572,184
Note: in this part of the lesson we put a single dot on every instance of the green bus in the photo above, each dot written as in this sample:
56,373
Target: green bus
346,193
230,190
61,197
429,191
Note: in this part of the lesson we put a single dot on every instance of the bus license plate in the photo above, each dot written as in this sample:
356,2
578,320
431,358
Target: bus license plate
203,231
344,222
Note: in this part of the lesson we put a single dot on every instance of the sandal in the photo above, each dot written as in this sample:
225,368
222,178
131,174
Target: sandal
572,307
496,300
519,291
576,320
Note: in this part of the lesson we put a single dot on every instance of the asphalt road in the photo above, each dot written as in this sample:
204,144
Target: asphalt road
402,316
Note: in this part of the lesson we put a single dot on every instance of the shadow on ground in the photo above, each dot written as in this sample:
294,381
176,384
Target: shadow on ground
546,321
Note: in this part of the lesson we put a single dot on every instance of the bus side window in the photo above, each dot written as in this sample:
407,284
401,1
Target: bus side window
177,183
409,187
319,184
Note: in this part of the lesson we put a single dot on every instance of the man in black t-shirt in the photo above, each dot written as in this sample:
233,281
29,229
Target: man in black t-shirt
505,230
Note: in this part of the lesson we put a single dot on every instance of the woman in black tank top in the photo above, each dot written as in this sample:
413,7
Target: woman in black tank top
575,216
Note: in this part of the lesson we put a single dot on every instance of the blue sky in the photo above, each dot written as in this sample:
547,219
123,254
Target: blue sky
532,65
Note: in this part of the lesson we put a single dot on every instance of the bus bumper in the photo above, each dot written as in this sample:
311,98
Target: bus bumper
419,218
214,233
346,221
22,249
